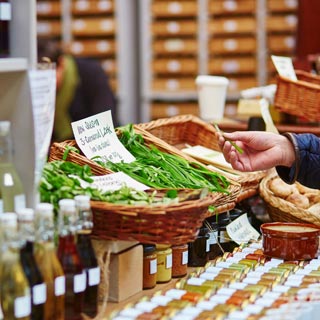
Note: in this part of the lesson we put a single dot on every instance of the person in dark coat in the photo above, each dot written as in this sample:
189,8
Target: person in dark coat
83,89
296,157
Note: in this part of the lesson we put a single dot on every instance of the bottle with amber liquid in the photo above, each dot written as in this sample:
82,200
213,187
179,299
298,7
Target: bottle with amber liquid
87,254
48,263
29,265
12,196
14,289
5,17
70,259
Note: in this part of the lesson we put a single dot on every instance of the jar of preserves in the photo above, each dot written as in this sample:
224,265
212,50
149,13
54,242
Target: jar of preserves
179,260
149,266
164,263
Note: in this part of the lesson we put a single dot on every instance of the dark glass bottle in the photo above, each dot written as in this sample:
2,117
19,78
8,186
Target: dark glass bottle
29,265
5,17
70,260
87,254
198,249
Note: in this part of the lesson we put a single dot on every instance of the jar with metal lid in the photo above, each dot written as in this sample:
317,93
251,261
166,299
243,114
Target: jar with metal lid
149,266
179,260
164,263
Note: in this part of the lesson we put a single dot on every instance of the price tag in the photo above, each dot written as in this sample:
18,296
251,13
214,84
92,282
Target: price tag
96,137
241,231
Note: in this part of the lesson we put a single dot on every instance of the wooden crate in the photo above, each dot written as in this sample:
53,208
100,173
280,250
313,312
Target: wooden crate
282,23
237,84
174,27
48,9
167,109
47,28
175,66
281,43
174,84
234,25
282,5
175,46
93,27
233,45
169,9
222,7
89,7
93,48
238,65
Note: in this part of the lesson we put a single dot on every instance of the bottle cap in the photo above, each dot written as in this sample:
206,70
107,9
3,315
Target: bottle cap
45,209
25,214
8,219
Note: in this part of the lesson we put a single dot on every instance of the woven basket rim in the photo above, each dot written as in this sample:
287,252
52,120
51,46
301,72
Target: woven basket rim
282,205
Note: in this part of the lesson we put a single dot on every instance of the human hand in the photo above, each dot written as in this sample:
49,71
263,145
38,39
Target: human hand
261,150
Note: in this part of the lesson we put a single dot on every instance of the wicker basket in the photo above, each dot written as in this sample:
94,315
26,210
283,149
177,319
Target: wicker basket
300,98
282,210
184,130
172,223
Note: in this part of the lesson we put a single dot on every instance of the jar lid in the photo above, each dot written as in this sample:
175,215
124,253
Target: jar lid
162,246
149,248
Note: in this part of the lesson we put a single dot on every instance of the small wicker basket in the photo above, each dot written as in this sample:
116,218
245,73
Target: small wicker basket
189,130
282,210
299,98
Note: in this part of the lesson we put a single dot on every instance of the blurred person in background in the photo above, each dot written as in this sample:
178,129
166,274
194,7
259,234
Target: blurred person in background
83,89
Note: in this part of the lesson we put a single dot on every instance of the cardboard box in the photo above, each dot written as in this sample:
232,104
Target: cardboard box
125,273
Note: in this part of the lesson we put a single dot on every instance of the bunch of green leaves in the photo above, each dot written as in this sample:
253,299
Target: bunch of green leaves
158,169
60,180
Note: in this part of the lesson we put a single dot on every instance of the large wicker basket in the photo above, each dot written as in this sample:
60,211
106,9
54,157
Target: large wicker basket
299,98
281,210
189,130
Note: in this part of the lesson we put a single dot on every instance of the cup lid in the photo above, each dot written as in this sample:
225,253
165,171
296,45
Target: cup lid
211,80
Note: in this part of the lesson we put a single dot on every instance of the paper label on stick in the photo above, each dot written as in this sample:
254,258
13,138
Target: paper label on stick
241,231
96,137
284,67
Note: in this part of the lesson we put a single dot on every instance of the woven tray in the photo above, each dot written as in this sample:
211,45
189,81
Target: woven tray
282,210
174,223
300,98
184,130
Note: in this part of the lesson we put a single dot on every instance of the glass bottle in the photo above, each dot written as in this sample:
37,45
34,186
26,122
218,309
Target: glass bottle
48,263
12,196
14,289
87,254
29,265
199,248
70,259
5,17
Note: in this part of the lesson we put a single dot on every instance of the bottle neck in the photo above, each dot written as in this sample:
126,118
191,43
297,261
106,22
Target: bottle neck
85,219
6,153
44,227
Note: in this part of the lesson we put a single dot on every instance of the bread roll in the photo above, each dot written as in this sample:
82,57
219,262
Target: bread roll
315,209
280,188
300,200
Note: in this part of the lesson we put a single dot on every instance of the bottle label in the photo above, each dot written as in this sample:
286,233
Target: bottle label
79,282
184,257
39,294
169,261
1,206
94,276
60,286
19,202
22,306
153,266
5,11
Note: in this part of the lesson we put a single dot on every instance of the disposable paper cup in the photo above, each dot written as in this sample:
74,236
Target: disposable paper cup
212,92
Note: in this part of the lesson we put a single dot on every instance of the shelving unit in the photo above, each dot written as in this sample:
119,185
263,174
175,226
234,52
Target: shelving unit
15,96
103,30
216,37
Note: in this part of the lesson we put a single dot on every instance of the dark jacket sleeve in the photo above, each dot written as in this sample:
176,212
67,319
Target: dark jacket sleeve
306,168
93,94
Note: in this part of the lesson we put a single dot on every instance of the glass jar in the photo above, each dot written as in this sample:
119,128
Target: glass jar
149,266
179,260
164,263
198,249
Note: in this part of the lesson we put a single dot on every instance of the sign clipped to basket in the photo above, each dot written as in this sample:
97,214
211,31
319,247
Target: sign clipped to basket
284,66
96,137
